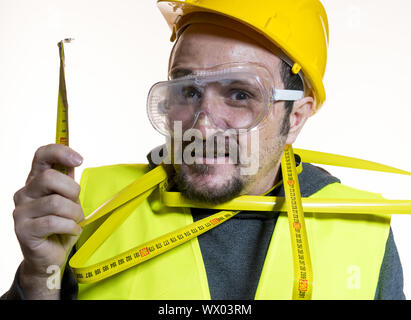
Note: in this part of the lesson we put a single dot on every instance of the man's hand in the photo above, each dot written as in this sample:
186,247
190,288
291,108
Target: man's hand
47,210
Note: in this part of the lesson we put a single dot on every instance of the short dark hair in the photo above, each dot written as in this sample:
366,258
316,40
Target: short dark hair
291,81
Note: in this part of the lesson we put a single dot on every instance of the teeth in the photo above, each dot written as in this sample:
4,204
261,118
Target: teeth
213,153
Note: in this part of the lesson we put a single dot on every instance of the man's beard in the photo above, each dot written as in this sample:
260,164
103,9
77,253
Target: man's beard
193,178
209,194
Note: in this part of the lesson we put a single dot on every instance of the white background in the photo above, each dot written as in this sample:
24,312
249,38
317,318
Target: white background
122,48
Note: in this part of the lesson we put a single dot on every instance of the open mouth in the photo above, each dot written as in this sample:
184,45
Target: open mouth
214,151
211,155
213,158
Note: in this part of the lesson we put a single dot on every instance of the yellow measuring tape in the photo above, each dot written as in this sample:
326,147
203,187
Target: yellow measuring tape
303,274
62,128
121,205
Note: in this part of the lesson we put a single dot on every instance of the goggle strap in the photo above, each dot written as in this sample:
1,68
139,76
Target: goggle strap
287,95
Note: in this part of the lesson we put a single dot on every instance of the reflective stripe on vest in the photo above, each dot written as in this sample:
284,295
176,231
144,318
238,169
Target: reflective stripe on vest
346,250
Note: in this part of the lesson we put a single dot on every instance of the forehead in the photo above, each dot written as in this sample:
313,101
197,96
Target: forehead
204,46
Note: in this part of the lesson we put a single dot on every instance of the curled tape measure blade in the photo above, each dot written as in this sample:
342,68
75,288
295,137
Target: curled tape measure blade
313,205
136,192
145,251
303,274
136,188
330,159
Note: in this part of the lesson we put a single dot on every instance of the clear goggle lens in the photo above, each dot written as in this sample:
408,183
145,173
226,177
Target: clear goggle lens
234,98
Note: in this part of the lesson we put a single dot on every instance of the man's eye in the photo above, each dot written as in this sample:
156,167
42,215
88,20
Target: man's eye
240,95
191,92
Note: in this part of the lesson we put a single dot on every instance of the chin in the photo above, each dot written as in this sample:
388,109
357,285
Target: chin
209,183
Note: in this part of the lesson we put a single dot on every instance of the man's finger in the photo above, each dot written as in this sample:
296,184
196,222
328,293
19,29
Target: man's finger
48,225
50,205
51,181
46,156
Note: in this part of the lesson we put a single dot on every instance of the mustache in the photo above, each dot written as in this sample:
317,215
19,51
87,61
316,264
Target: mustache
212,147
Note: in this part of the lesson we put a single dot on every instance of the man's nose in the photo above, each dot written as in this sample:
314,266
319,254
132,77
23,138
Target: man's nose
205,122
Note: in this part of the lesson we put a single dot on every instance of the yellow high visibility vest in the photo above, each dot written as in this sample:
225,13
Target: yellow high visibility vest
346,250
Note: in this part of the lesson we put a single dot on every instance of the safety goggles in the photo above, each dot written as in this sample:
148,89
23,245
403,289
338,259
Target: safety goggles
234,96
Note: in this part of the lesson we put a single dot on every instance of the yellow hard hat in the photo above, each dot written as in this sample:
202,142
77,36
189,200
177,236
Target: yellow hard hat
298,27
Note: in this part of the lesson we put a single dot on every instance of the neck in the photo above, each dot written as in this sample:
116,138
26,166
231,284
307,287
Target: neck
263,181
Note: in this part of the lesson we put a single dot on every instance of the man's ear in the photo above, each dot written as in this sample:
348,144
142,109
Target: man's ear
302,110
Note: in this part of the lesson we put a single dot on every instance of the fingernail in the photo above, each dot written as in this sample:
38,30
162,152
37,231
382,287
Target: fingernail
76,158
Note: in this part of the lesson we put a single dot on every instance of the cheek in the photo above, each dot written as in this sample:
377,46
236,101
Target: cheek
269,134
271,128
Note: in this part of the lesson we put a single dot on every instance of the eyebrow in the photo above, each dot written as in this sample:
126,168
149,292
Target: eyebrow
239,82
179,73
182,72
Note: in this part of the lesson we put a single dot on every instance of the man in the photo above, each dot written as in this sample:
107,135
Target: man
229,68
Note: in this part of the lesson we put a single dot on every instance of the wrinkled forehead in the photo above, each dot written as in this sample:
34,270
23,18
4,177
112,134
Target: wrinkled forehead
246,74
207,47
